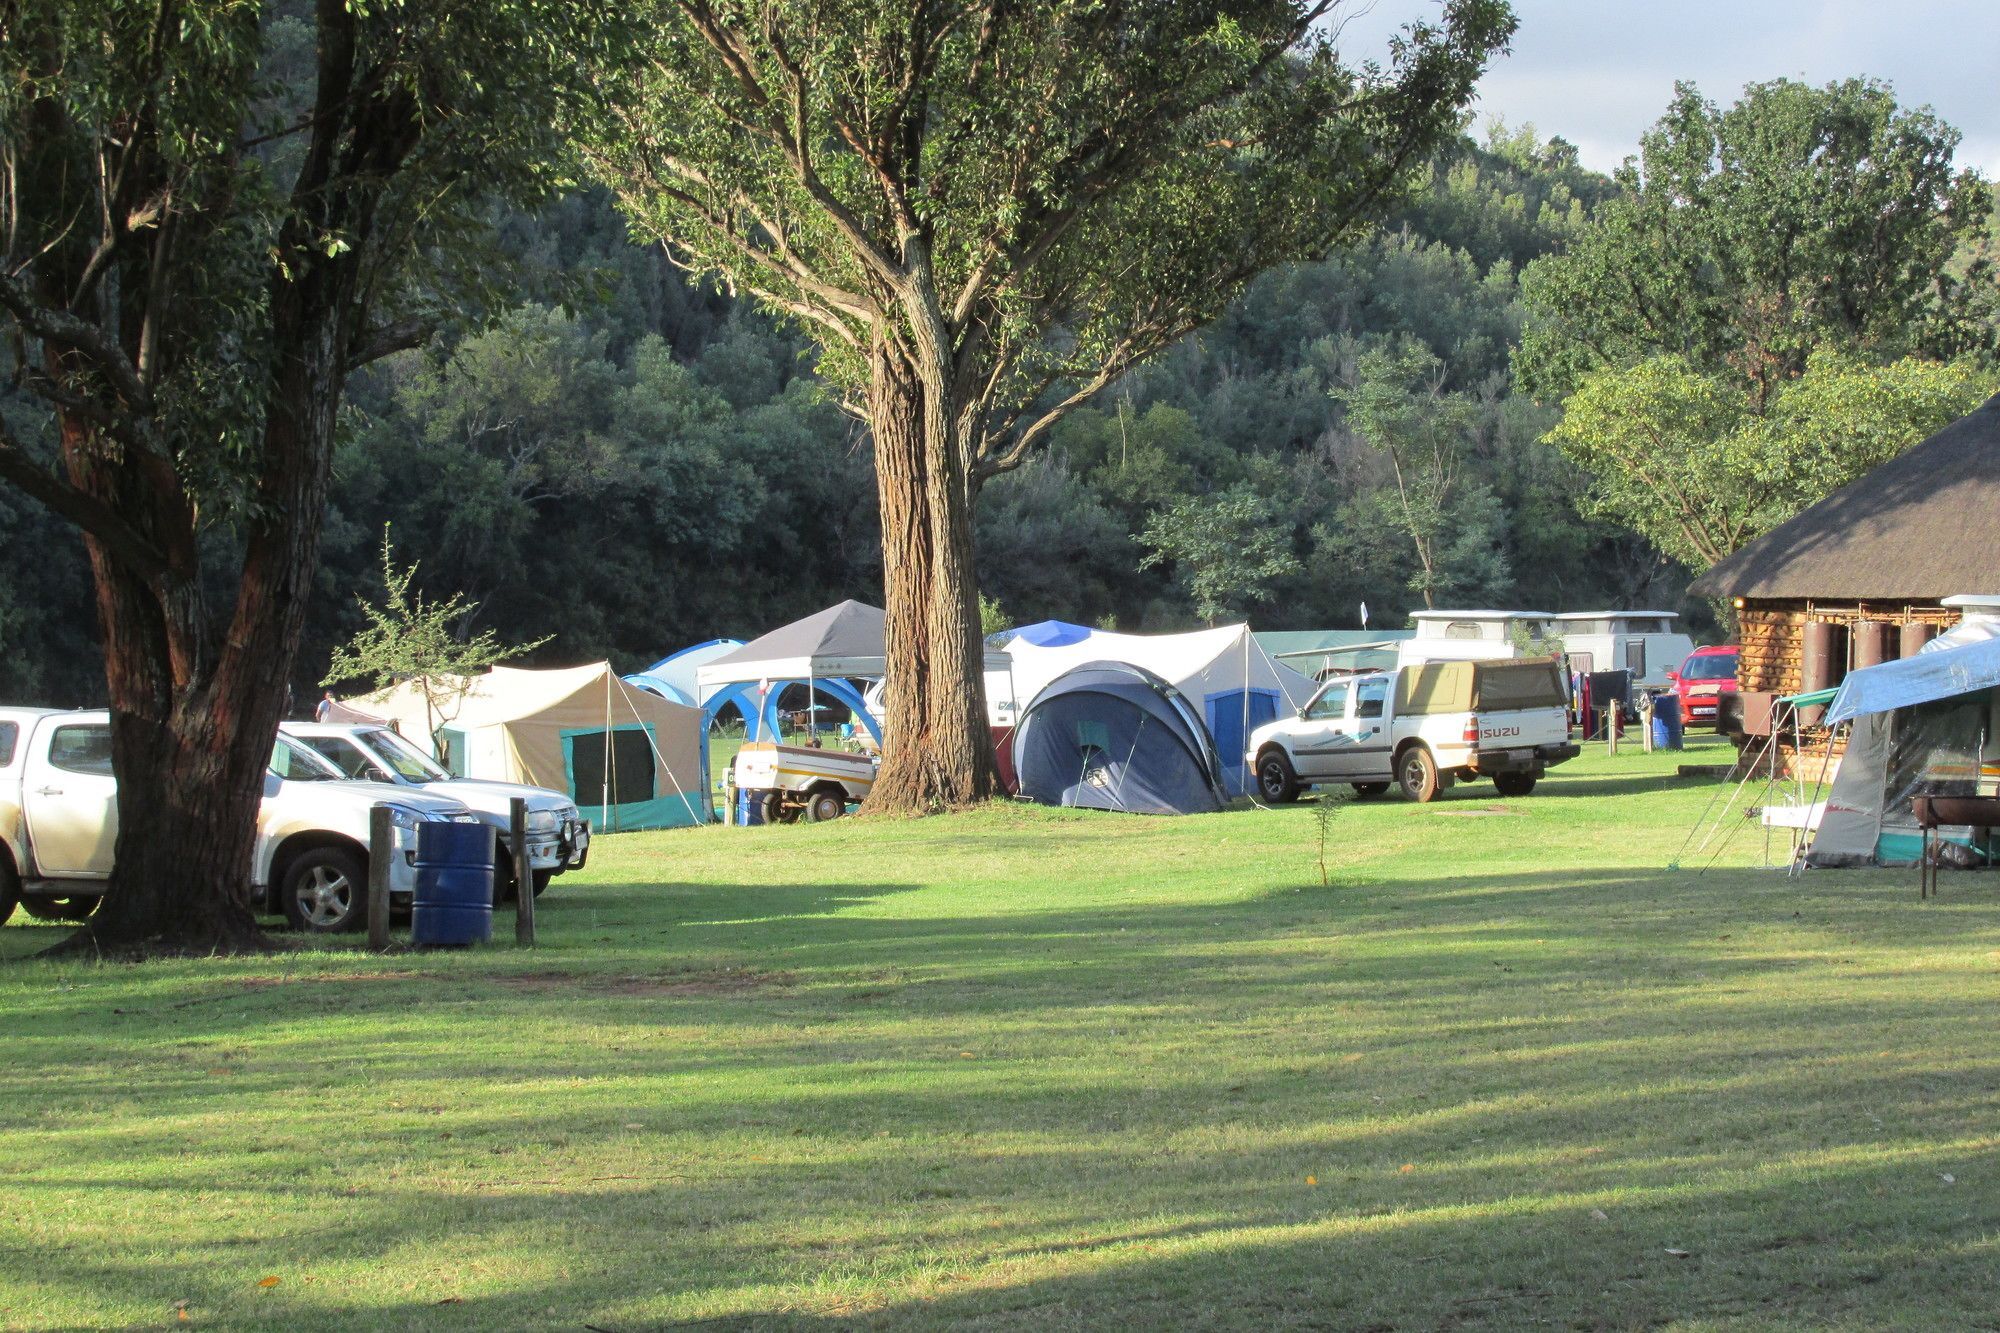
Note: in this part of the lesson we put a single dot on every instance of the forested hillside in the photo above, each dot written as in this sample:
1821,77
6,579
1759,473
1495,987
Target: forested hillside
631,462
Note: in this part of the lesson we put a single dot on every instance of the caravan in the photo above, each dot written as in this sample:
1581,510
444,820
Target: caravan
1477,636
1644,643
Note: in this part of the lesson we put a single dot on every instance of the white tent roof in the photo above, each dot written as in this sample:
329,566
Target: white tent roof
1937,673
1198,663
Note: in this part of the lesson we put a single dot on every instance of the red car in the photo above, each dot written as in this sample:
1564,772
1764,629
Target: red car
1707,675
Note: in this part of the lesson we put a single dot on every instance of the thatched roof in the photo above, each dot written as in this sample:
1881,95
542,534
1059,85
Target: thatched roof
1922,526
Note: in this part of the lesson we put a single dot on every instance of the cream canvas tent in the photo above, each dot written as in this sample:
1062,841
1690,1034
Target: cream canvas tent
630,759
1233,683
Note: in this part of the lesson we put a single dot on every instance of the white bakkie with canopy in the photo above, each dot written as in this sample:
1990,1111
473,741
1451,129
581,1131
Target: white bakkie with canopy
1422,727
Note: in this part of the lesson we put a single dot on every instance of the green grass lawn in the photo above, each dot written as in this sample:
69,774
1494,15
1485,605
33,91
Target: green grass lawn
1034,1068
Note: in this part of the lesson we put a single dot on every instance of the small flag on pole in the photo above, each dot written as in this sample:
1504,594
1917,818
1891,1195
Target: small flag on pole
1364,615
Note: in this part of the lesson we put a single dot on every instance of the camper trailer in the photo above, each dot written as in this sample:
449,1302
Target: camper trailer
1645,643
1477,636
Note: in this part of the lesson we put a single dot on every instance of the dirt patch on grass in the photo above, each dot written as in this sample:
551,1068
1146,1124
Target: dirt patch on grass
715,981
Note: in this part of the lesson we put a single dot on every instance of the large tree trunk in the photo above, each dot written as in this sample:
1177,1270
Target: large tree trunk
936,749
195,704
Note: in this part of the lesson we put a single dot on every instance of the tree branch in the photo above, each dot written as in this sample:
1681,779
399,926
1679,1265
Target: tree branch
60,327
371,345
96,518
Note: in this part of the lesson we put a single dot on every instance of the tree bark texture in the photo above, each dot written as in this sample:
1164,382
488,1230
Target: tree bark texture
197,692
936,755
195,702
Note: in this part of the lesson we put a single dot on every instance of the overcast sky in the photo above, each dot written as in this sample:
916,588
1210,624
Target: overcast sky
1599,72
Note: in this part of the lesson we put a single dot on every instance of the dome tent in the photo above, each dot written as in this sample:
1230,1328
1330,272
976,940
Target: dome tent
1113,736
673,676
1232,683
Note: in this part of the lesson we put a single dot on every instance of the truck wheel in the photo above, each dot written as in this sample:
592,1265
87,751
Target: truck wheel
326,891
1514,784
10,890
1277,780
42,907
541,878
823,805
1417,774
1365,790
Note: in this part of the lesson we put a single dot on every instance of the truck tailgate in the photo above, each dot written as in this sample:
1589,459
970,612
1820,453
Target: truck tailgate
1523,727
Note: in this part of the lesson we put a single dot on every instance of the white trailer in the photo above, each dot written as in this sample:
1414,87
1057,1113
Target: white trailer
783,782
1645,643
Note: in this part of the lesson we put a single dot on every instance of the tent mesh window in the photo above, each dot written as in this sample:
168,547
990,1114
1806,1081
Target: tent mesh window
1937,750
631,767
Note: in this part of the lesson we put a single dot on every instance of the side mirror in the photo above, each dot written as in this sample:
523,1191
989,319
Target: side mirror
1674,676
379,775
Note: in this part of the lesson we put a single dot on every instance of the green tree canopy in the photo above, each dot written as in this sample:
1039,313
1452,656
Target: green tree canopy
984,213
1681,456
1225,550
1743,239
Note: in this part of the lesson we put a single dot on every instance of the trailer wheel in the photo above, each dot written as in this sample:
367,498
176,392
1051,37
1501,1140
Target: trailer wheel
1417,774
824,804
771,806
1514,784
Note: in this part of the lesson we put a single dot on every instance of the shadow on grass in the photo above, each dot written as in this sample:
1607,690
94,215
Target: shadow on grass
920,1244
1083,1114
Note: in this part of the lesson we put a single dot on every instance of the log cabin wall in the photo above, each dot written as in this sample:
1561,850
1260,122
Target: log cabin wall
1772,634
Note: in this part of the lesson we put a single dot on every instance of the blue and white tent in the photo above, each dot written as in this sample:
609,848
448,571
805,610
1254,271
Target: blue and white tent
1233,684
673,677
1113,736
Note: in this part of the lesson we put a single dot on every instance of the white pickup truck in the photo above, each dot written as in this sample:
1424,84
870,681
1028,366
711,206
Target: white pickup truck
59,824
1421,726
558,837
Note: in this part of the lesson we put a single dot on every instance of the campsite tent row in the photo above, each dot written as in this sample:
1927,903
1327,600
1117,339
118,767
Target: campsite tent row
1152,722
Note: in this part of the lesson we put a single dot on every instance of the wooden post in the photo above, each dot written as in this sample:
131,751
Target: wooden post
524,877
381,850
1612,716
1646,723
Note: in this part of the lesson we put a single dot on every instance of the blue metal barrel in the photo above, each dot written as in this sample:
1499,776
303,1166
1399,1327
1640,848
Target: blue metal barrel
1667,721
454,898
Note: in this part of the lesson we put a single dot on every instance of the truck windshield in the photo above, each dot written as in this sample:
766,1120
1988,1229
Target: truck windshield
1331,703
410,763
295,763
